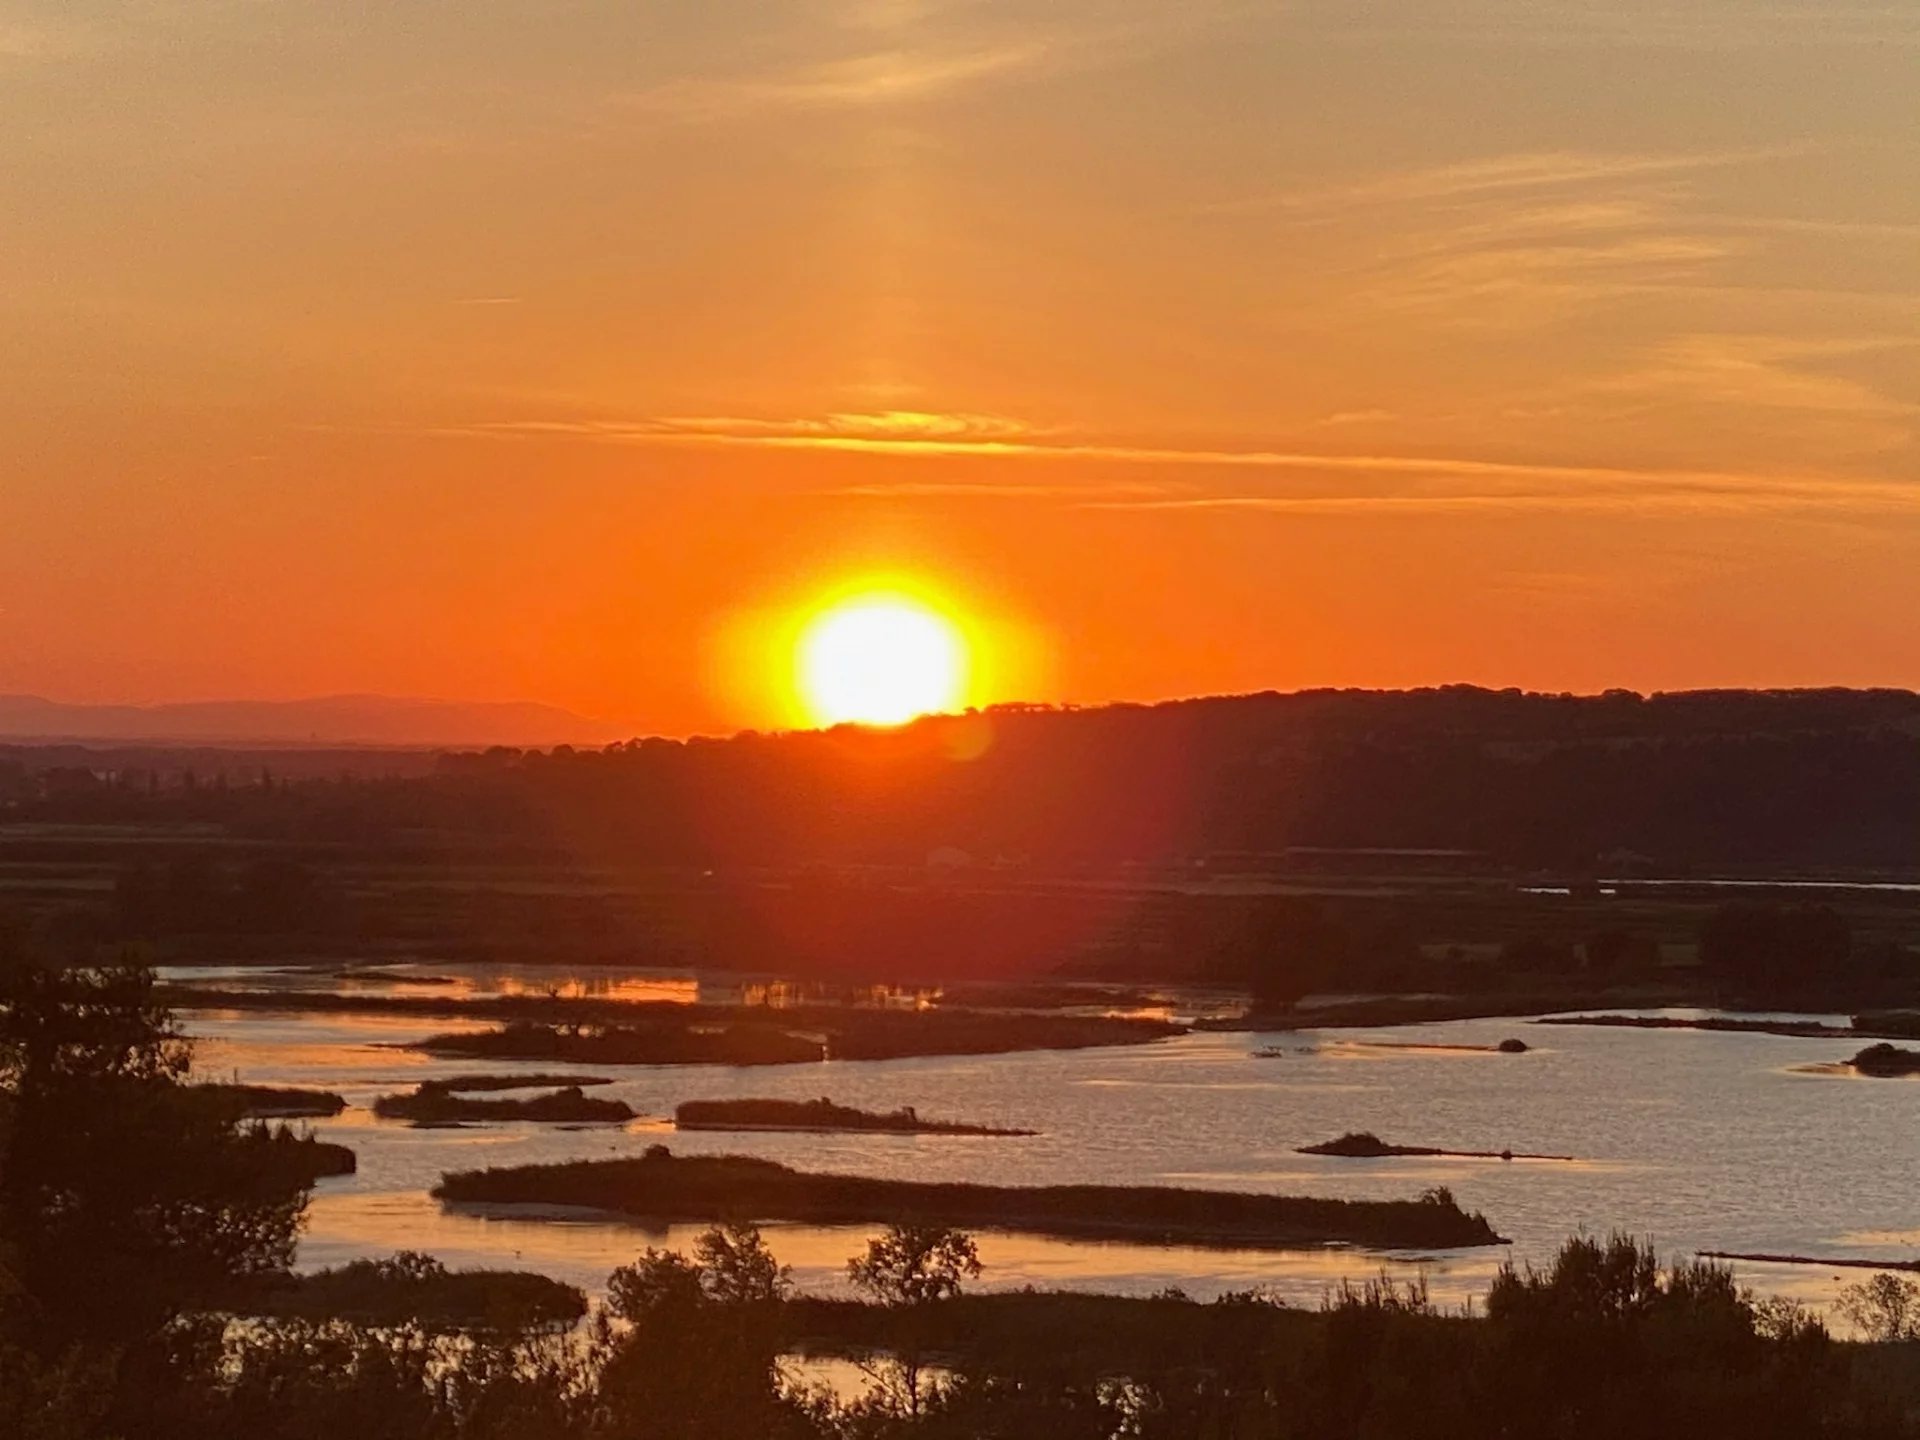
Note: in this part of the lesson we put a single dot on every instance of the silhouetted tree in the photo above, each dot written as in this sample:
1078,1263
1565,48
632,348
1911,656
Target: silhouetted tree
906,1269
1884,1307
700,1358
125,1198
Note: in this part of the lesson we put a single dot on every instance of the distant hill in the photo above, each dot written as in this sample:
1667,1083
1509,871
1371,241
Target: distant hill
326,720
1433,779
1742,778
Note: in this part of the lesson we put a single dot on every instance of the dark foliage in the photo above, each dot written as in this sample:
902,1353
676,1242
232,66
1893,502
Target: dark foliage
274,1102
820,1114
713,1187
435,1103
414,1289
126,1197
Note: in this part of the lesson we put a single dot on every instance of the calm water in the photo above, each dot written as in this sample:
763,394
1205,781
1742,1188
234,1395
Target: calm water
1697,1140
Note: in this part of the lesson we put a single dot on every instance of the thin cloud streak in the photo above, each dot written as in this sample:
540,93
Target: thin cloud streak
1580,486
885,77
1751,497
1501,175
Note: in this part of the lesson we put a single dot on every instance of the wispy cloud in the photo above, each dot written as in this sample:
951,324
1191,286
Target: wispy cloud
1532,239
889,77
910,51
1499,175
1637,24
1397,482
1761,378
1654,492
1085,491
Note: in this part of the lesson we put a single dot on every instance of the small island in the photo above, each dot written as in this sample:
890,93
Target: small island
273,1102
534,1080
704,1188
1727,1024
302,1154
1365,1145
434,1103
758,1035
1886,1062
821,1114
410,1289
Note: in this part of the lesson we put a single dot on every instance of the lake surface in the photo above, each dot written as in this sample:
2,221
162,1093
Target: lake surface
1694,1139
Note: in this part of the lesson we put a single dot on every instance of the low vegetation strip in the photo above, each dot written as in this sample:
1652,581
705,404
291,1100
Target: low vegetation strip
1843,1262
437,1104
1803,1029
1365,1145
275,1102
661,1186
1385,1010
748,1036
411,1289
535,1081
1434,1047
839,1032
820,1114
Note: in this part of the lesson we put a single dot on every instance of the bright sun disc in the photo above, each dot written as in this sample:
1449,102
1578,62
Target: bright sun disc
881,660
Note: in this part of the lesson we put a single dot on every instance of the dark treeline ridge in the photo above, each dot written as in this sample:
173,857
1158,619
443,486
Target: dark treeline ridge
1128,842
662,1186
1723,777
433,1103
821,1114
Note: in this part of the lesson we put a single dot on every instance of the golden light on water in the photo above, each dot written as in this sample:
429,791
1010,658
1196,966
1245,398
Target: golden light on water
881,659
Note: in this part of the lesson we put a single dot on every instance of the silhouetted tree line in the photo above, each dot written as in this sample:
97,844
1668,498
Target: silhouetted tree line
1719,777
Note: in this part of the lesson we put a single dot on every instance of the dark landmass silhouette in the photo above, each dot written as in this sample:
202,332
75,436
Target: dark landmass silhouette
372,720
1445,781
435,1103
662,1186
1322,843
1365,1145
819,1115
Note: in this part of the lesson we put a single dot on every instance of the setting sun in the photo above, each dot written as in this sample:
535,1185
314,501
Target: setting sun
880,660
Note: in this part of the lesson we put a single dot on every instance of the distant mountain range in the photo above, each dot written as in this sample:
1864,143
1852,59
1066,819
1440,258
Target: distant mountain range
326,720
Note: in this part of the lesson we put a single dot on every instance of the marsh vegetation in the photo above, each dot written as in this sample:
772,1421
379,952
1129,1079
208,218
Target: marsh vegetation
821,1114
435,1103
1364,1145
662,1186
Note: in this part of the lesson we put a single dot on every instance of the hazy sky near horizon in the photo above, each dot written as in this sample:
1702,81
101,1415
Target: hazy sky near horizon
535,349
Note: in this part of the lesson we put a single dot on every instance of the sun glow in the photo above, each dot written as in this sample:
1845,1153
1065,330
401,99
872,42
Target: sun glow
880,659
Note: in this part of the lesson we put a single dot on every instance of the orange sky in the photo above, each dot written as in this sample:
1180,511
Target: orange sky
517,350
